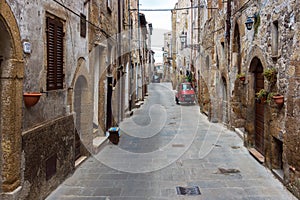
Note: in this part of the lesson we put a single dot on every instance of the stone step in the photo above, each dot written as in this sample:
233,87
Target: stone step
257,155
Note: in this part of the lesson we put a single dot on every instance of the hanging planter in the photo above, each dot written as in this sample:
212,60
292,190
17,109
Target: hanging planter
278,99
262,95
31,98
270,74
241,76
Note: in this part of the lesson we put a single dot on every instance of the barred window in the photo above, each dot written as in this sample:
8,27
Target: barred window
55,53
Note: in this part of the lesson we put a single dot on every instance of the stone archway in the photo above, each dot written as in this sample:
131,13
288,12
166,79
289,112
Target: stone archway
82,123
11,88
224,101
236,49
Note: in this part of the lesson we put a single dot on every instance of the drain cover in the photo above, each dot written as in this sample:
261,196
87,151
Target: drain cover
188,190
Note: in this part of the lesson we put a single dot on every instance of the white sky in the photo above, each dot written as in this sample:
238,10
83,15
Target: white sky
161,22
159,19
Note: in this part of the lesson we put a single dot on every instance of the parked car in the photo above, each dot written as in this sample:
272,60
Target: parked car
185,93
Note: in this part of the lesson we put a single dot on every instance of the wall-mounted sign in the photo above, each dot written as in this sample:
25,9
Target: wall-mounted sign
26,47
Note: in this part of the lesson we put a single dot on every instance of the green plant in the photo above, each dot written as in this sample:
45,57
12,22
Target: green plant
261,94
256,24
240,75
270,74
270,97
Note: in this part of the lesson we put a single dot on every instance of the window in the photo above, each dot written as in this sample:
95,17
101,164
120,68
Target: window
55,54
109,5
275,39
82,25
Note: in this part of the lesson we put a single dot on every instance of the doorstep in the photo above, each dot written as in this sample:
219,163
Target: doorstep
240,132
98,143
258,156
80,160
278,173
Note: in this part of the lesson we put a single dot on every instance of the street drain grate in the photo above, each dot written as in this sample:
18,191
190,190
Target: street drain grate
228,171
178,145
188,190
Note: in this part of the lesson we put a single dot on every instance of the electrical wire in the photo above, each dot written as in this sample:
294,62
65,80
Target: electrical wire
171,9
78,15
241,9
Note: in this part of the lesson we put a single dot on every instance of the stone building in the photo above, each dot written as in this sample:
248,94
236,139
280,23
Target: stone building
73,56
167,59
228,49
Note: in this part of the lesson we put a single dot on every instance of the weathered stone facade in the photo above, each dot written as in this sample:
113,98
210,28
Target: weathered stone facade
227,49
40,144
37,154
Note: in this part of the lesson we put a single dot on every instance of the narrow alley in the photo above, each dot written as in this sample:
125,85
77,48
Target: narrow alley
152,164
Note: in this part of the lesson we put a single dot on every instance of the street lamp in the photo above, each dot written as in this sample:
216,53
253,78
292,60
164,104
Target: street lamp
150,28
250,22
183,39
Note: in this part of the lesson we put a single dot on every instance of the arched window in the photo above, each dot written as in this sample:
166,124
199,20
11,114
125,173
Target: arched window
275,38
236,48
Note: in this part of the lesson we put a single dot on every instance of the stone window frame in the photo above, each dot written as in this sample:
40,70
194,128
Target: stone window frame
275,38
55,68
83,26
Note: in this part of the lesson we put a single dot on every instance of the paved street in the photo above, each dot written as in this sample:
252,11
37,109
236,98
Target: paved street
164,145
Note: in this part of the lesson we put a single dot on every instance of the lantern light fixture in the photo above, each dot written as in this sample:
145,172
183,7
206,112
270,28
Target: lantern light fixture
249,22
183,37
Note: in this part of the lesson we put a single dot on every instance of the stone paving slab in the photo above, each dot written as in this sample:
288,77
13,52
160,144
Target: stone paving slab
214,150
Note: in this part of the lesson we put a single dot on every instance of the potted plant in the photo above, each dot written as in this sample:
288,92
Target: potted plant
241,76
262,95
31,98
270,97
270,74
278,99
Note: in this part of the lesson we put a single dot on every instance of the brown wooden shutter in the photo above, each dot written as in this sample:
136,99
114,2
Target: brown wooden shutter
55,49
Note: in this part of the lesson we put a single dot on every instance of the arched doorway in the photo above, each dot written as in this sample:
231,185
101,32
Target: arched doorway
11,88
236,49
257,69
127,91
80,108
224,101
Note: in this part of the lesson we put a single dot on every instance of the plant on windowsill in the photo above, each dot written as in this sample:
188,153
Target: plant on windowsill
270,74
262,95
31,98
241,76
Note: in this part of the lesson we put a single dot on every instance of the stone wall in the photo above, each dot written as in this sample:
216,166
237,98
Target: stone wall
248,48
46,149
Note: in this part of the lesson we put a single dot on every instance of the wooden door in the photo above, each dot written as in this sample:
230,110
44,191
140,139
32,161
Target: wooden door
259,115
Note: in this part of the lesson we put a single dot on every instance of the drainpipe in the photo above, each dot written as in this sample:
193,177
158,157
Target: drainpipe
119,63
130,67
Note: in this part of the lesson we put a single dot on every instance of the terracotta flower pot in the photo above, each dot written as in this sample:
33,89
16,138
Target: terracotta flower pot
30,99
242,78
278,99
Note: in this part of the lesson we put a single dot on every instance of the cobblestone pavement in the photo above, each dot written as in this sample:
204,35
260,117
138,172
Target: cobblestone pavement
165,145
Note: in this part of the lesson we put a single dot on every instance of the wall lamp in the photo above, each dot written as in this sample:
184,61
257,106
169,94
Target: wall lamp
249,22
183,37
